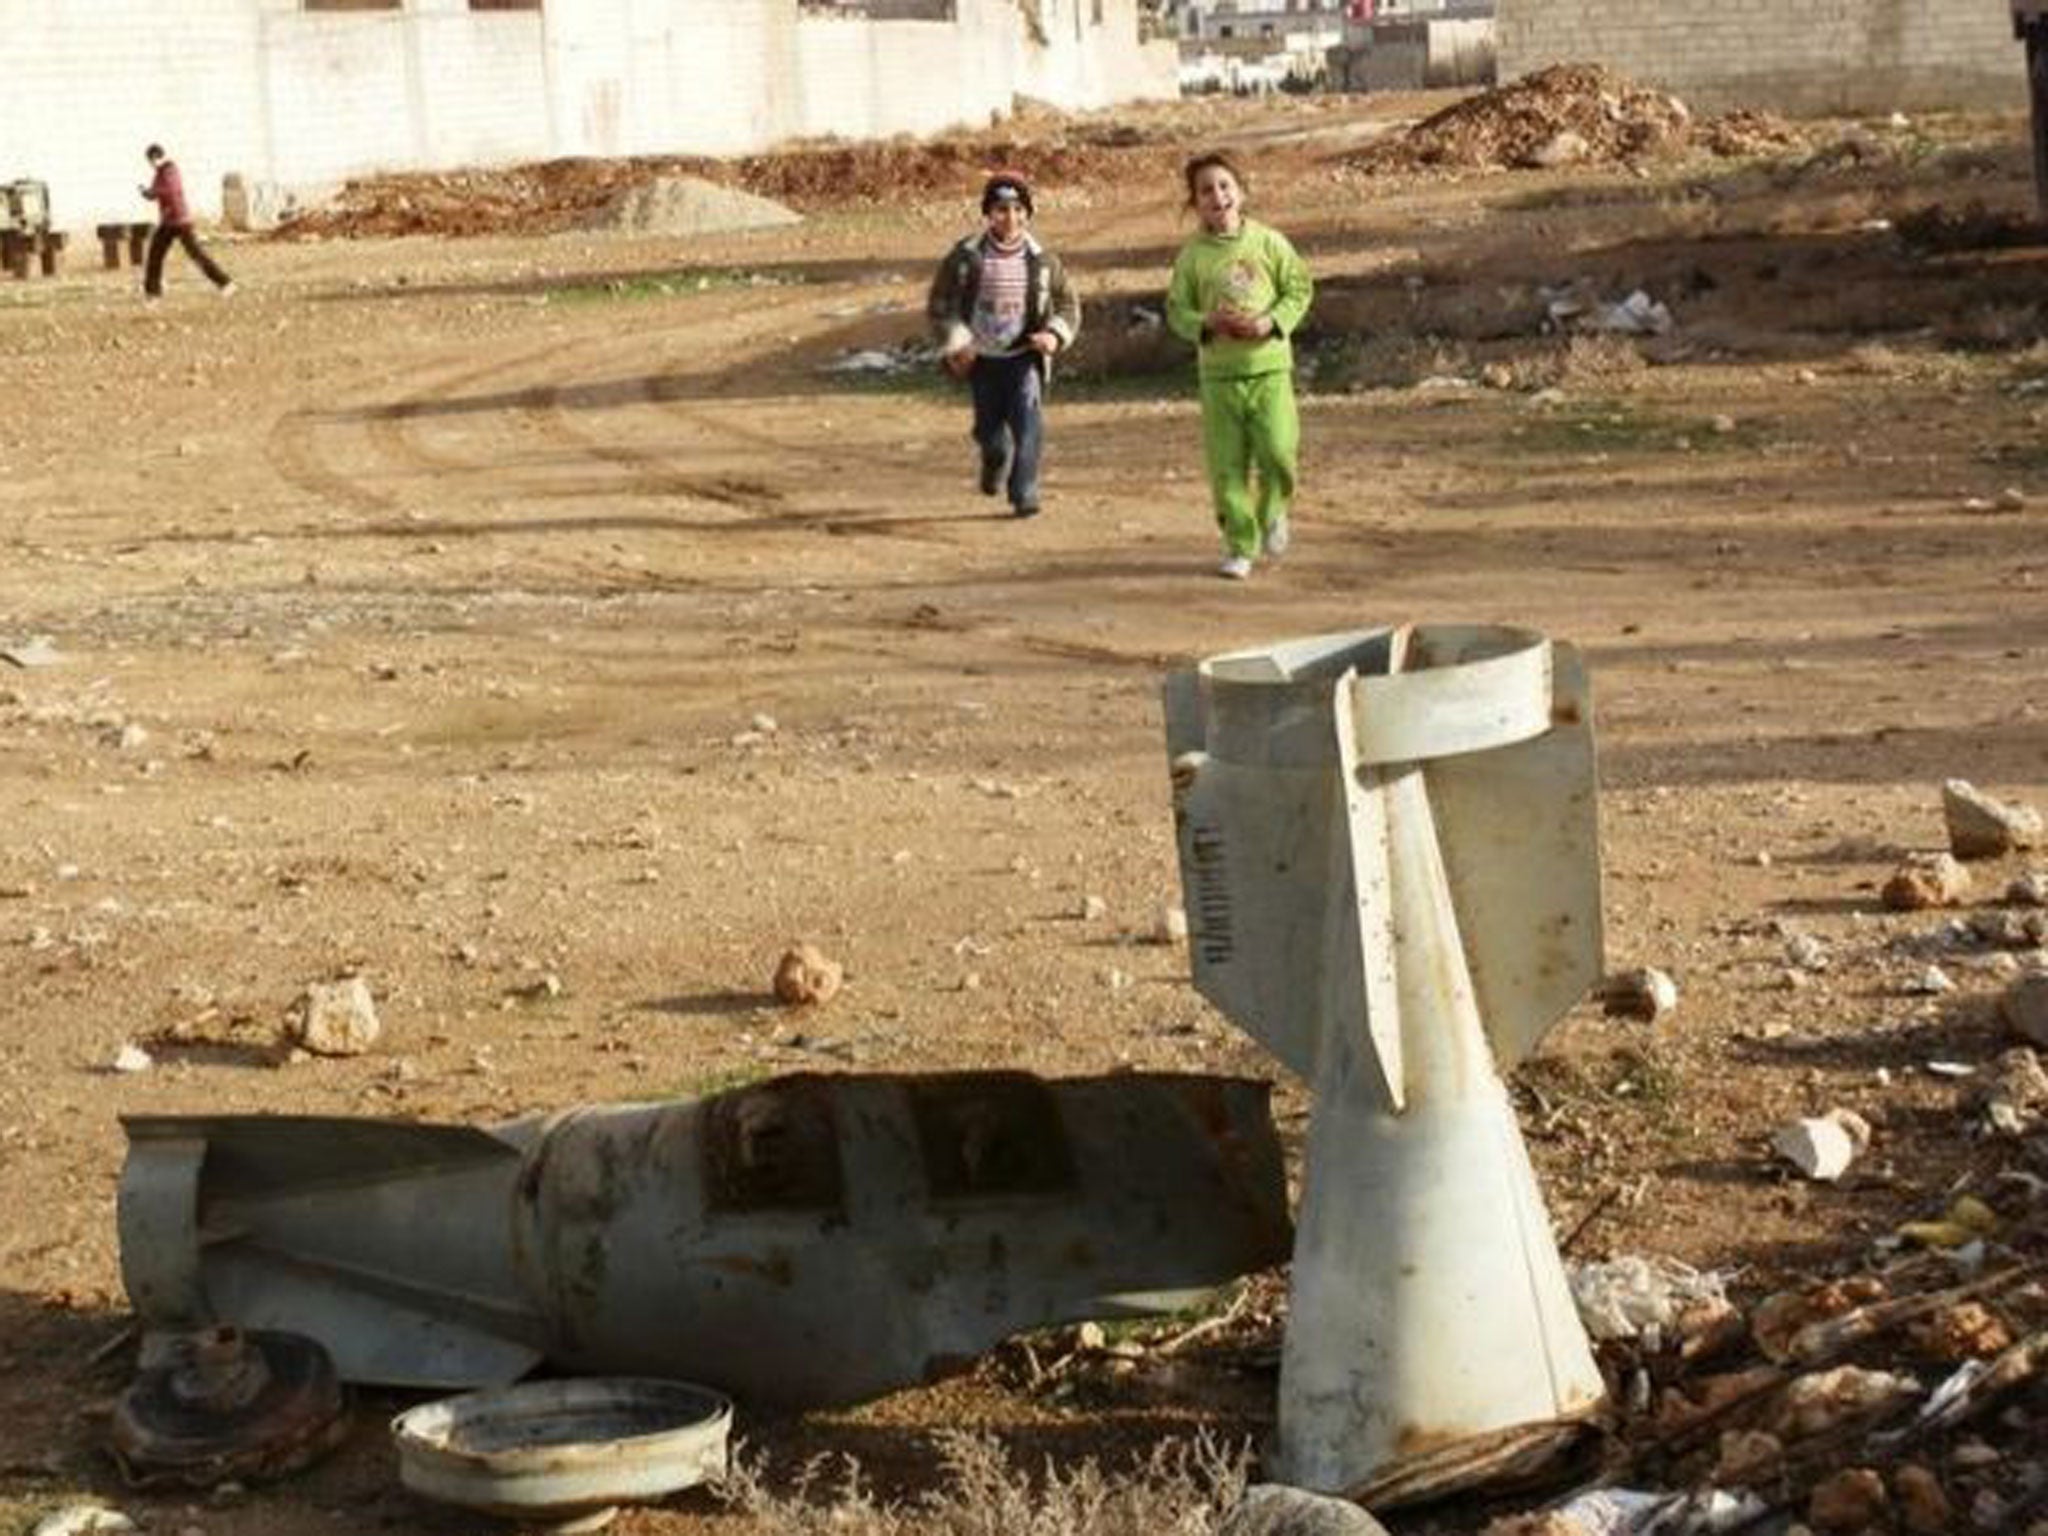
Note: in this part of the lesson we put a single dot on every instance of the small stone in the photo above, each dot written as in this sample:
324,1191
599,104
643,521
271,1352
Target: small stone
1849,1500
2012,499
78,1519
1932,982
132,1058
338,1018
1923,1506
1722,425
1806,952
2024,1008
1980,827
1927,881
1647,994
1170,925
1747,1455
1272,1509
765,724
1820,1147
1093,909
2028,890
1972,1456
806,976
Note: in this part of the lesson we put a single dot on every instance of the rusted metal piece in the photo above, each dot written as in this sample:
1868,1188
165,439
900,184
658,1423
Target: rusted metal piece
1509,1461
808,1241
564,1452
220,1404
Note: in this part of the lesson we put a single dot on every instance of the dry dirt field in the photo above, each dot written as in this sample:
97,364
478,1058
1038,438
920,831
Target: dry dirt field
531,623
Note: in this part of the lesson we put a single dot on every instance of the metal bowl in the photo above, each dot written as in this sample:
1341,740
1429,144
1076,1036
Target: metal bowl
563,1451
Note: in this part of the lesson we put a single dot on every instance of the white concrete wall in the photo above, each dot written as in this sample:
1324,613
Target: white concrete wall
1789,55
279,94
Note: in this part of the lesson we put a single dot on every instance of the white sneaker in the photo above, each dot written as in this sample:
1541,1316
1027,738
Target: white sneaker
1235,567
1278,537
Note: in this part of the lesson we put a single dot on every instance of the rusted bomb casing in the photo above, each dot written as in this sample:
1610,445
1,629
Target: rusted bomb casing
809,1241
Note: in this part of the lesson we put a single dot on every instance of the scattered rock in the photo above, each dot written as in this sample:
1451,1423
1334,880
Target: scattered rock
1170,925
2008,929
1271,1509
338,1018
1923,1507
1806,953
2024,1007
78,1519
1817,1402
805,976
1980,827
2028,890
1647,994
1822,1147
132,1058
1093,909
1849,1500
1926,880
2014,1095
1747,1456
1969,1330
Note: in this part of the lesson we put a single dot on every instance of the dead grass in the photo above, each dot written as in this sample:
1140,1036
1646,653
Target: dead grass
1184,1488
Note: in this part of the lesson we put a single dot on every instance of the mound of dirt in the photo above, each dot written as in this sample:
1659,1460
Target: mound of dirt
1568,114
553,196
689,205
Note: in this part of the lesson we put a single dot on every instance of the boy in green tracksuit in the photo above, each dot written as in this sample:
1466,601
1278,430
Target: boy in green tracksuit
1238,292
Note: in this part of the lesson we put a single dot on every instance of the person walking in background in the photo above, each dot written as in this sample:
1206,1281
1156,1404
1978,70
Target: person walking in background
1000,307
1238,292
174,222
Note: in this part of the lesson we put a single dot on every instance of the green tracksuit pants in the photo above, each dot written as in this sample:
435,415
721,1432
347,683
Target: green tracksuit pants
1250,428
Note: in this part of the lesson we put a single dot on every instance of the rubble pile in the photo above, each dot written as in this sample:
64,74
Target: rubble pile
557,196
1569,114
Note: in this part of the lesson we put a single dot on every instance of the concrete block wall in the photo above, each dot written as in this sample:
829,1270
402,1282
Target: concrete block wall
1796,56
279,94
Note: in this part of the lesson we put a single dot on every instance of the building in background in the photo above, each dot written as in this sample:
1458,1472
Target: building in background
1871,56
1407,45
299,94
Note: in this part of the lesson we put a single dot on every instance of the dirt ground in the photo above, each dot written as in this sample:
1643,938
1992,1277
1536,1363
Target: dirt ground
539,628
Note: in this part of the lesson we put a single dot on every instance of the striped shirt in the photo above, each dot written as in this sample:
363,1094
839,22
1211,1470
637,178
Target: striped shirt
1000,301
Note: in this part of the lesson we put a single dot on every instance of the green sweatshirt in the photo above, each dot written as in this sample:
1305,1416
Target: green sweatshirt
1255,270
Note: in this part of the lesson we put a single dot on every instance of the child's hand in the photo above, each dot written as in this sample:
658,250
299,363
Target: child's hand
1043,342
960,363
1228,320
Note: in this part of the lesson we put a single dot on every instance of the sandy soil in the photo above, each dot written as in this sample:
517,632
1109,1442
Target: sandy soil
532,627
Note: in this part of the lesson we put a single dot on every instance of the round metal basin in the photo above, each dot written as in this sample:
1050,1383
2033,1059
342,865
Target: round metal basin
563,1452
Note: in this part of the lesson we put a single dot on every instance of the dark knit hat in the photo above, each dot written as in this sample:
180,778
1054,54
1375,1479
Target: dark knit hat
1006,186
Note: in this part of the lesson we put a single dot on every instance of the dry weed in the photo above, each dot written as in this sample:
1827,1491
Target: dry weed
1597,359
1183,1488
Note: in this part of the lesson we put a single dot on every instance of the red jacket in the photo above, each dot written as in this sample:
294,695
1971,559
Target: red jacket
167,191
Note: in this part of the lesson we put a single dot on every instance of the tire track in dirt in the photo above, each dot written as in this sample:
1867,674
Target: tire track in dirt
294,448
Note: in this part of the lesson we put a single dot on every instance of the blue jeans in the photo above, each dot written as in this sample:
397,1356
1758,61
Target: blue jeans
1009,420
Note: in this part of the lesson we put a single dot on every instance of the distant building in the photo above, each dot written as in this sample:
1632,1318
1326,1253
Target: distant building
296,94
1844,56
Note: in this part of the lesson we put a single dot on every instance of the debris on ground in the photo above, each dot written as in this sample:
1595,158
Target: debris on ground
337,1018
627,193
1575,307
1822,1147
1980,827
1646,993
1928,880
806,975
1569,114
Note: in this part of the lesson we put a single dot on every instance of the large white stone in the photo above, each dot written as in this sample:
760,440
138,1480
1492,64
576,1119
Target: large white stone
338,1018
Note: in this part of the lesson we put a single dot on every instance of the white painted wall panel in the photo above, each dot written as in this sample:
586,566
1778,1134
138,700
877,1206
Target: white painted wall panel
266,89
